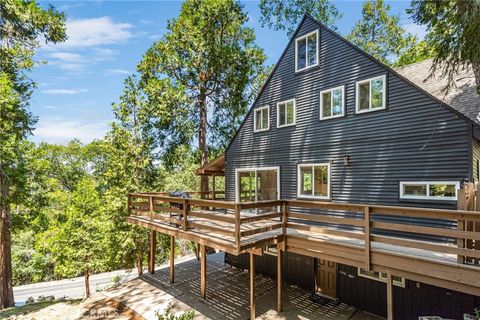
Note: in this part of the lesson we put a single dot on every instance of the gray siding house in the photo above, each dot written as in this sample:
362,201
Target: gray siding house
334,124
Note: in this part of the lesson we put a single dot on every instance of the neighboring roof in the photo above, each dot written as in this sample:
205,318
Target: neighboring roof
216,166
462,96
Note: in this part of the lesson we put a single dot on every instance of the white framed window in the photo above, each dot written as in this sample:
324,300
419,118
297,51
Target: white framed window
306,51
380,276
332,103
261,119
313,181
286,113
371,94
429,190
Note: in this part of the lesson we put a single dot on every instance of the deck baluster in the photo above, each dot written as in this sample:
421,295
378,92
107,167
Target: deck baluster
237,226
367,237
185,214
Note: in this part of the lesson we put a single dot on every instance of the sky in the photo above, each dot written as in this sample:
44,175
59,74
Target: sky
106,40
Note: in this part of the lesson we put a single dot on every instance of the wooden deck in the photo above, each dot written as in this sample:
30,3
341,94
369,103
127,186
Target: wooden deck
380,238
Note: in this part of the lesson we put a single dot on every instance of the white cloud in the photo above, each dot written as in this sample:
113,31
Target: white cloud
415,29
49,107
58,130
64,91
94,32
68,56
118,71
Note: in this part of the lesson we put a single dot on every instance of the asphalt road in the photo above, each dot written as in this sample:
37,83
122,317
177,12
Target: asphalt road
75,288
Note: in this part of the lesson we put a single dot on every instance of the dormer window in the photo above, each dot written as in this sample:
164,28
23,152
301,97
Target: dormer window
261,119
306,51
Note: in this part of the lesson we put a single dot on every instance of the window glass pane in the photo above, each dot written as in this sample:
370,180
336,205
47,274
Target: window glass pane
369,273
377,93
442,190
364,96
264,118
321,181
290,112
415,190
258,119
302,53
312,49
306,181
281,110
247,186
326,104
337,103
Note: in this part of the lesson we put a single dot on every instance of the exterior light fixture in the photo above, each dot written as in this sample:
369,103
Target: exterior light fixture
346,160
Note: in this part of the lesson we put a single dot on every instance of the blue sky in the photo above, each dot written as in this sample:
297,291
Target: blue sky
107,39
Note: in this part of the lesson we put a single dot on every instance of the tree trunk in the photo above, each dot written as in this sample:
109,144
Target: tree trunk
6,287
476,72
87,284
138,249
202,138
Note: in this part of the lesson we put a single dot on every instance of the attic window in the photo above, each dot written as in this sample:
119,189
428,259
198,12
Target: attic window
286,113
306,51
371,94
261,119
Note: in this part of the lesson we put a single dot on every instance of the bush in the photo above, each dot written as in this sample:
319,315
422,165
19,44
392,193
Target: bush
168,315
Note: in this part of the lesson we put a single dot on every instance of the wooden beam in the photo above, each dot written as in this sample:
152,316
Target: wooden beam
252,286
153,249
279,277
203,272
367,238
389,296
172,259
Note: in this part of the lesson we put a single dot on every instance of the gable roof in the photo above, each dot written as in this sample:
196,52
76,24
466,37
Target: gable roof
463,96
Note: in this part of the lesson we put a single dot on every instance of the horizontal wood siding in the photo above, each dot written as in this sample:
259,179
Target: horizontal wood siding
415,138
297,269
416,299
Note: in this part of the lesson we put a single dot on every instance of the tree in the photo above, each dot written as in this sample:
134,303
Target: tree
79,244
129,149
422,50
379,33
452,28
286,14
22,23
202,67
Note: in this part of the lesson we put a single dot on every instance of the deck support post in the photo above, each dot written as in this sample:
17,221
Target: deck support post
389,296
172,259
203,272
153,249
279,277
252,285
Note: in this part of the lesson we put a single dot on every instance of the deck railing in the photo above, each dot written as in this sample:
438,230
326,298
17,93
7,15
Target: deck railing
375,227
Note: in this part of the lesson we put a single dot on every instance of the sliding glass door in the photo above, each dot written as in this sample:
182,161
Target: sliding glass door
257,184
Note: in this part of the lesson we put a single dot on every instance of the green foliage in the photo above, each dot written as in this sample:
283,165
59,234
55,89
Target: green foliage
422,50
379,33
168,315
453,27
206,61
286,14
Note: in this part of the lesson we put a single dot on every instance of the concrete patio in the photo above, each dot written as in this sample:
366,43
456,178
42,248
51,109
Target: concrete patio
227,295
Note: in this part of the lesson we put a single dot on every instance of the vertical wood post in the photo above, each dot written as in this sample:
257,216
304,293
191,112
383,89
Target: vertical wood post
389,296
129,203
461,205
279,277
252,285
367,237
237,226
203,272
185,214
213,187
172,259
150,199
153,249
284,224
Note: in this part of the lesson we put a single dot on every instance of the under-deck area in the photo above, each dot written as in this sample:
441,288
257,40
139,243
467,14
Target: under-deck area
392,240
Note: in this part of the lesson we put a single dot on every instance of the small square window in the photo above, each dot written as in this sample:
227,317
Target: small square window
371,95
306,51
314,181
286,113
380,276
332,103
261,119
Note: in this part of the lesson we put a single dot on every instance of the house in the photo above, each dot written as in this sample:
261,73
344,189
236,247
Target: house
334,124
345,175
